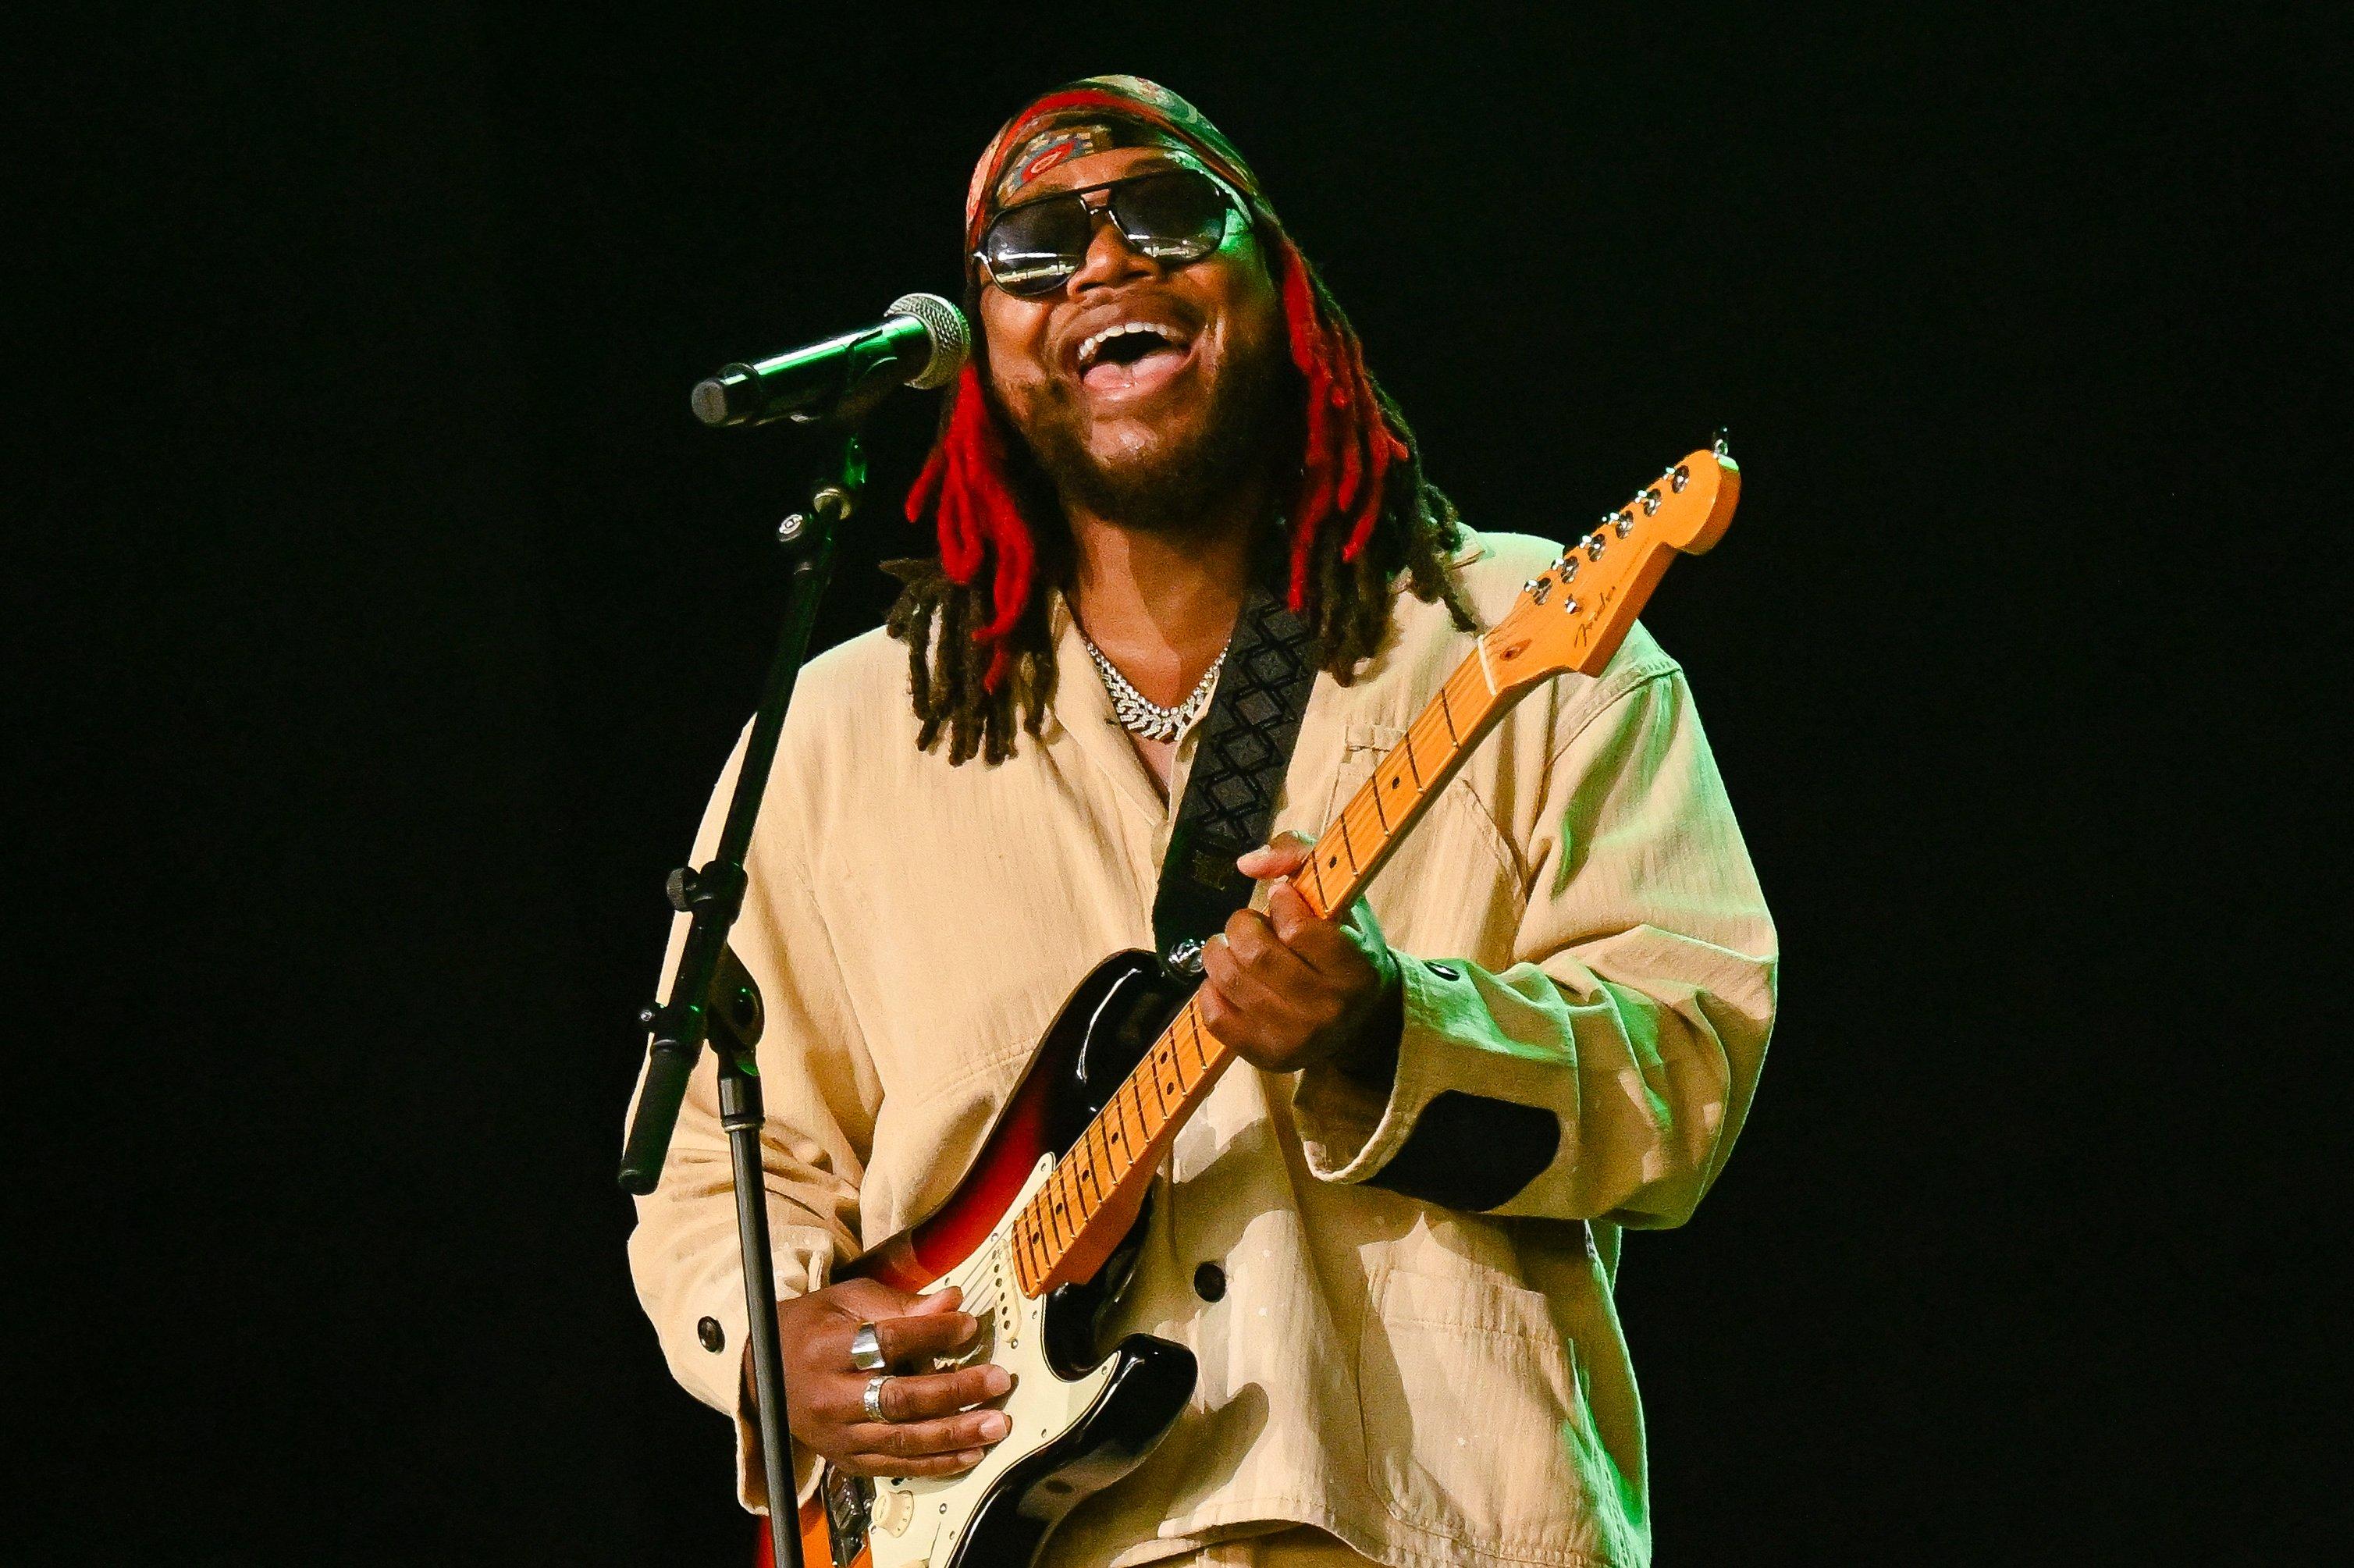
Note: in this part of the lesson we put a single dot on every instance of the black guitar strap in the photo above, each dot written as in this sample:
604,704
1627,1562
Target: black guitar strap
1238,768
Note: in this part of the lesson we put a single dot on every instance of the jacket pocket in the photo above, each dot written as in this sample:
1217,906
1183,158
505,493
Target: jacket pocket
1455,888
1475,1425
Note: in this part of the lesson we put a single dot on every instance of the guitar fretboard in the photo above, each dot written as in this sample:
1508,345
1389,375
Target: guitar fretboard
1569,618
1104,1170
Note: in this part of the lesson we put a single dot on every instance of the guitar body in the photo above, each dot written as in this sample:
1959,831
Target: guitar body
1080,1422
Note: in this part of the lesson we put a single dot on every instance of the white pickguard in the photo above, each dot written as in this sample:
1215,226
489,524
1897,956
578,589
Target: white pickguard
922,1521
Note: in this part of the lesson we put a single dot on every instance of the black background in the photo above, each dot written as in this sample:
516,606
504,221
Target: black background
401,616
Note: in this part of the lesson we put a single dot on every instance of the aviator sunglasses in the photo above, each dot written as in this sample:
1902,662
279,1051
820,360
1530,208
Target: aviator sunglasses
1177,215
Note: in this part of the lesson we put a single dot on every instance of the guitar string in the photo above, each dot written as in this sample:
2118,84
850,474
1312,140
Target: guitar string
1358,819
1439,714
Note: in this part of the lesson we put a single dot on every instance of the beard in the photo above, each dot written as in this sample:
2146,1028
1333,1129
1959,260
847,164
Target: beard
1180,480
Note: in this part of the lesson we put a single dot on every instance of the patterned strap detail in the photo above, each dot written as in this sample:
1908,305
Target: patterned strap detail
1238,768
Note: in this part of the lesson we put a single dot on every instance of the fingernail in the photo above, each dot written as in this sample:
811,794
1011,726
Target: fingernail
995,1424
997,1380
971,1457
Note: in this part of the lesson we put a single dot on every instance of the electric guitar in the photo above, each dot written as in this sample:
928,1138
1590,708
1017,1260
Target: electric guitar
1033,1234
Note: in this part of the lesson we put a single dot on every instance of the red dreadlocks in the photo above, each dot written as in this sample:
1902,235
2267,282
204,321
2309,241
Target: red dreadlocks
979,522
1344,418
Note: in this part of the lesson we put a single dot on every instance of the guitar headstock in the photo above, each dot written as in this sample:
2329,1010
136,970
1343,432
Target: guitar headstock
1574,615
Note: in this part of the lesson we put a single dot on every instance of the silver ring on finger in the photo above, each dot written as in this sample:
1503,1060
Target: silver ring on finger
867,1349
874,1398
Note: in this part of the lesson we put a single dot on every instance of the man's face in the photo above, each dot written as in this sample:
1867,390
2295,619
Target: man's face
1143,429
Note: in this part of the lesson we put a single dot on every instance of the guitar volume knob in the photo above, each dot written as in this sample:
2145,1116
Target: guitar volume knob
893,1511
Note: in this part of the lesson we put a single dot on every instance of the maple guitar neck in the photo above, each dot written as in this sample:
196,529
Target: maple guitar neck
1561,623
1121,1149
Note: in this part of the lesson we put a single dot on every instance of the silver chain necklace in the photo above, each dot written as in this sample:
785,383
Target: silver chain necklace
1139,716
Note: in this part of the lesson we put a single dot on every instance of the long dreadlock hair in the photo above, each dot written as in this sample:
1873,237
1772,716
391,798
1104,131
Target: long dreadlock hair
980,659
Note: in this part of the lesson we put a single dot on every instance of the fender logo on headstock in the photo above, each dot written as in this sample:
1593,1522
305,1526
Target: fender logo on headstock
1588,625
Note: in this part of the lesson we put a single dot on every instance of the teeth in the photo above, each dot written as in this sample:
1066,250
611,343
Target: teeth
1093,344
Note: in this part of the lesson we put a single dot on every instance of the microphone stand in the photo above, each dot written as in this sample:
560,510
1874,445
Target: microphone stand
713,999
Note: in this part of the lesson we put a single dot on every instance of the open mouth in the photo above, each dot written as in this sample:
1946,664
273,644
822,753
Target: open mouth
1132,356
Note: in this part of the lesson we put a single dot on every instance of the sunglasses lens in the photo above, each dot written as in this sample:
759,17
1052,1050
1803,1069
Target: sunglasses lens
1033,248
1179,215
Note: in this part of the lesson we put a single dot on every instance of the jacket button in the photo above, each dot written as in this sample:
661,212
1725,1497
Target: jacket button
1444,972
1209,1282
714,1337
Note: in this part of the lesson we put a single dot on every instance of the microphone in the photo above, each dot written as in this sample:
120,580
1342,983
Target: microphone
921,341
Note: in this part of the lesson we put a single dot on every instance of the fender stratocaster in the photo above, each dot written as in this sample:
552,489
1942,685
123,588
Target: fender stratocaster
1033,1234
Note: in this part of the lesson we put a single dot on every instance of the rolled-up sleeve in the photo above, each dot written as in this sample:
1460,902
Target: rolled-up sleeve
820,1092
1606,1072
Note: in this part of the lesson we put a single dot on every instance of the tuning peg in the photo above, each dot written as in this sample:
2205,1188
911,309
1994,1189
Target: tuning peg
1678,477
1720,448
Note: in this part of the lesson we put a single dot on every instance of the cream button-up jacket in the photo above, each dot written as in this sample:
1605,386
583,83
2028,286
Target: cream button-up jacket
1416,1349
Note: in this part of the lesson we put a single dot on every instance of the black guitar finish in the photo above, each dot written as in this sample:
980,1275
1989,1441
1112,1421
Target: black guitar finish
1133,1000
1150,1385
1103,1031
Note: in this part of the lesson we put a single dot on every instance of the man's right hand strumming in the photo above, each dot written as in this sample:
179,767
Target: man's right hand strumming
928,1425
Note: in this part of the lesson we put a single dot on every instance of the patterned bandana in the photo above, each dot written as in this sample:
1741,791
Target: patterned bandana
1059,144
1091,116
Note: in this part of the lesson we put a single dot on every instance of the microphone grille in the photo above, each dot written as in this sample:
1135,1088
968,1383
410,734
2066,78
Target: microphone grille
710,401
951,340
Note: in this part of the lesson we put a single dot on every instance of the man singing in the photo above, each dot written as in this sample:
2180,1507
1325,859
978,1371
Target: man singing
1390,1239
